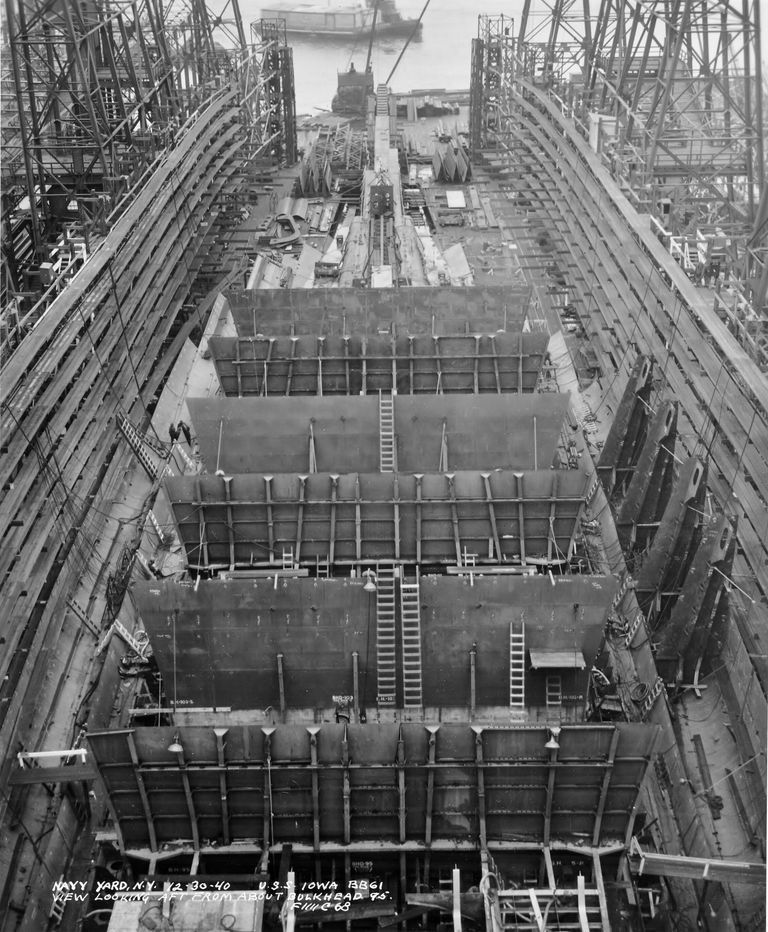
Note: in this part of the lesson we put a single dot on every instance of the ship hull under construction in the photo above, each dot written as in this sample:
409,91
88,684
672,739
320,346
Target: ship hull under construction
403,569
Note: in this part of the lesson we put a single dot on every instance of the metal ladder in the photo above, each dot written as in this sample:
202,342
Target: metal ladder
382,99
161,535
142,445
58,906
386,682
410,618
386,433
554,690
517,665
138,641
288,562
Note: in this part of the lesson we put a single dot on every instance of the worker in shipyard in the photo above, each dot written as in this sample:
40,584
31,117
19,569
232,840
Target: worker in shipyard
184,428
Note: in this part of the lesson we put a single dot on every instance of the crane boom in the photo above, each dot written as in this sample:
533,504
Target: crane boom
408,40
370,40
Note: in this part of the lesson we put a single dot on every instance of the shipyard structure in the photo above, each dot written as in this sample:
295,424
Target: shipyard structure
385,531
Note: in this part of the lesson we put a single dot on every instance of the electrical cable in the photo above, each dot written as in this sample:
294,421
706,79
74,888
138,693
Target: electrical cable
44,466
109,379
670,341
701,443
128,348
54,478
74,497
177,217
626,353
715,707
25,830
57,476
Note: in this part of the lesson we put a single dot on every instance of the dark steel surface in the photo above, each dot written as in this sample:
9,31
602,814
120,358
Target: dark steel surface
272,434
271,773
352,365
251,520
396,311
228,635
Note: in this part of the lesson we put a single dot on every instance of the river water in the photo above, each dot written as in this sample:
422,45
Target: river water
441,59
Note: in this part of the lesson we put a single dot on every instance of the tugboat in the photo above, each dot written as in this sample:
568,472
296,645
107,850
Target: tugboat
392,23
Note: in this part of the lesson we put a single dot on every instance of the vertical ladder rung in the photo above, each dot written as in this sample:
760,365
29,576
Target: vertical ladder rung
410,619
554,689
517,665
386,681
387,449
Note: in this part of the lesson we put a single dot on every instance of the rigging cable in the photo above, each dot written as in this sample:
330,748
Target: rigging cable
128,347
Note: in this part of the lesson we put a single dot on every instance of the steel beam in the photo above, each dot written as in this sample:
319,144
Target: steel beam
521,516
454,517
606,782
400,776
649,488
143,796
692,616
221,734
346,790
550,797
661,567
480,786
713,869
620,448
492,514
313,731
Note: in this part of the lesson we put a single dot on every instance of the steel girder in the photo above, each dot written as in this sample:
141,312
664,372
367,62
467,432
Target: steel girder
671,94
94,92
682,81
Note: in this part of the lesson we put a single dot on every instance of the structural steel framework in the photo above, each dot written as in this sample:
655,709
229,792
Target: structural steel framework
96,350
273,107
496,363
372,788
683,80
95,93
684,122
100,89
368,311
671,95
129,141
297,646
643,298
492,69
242,521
